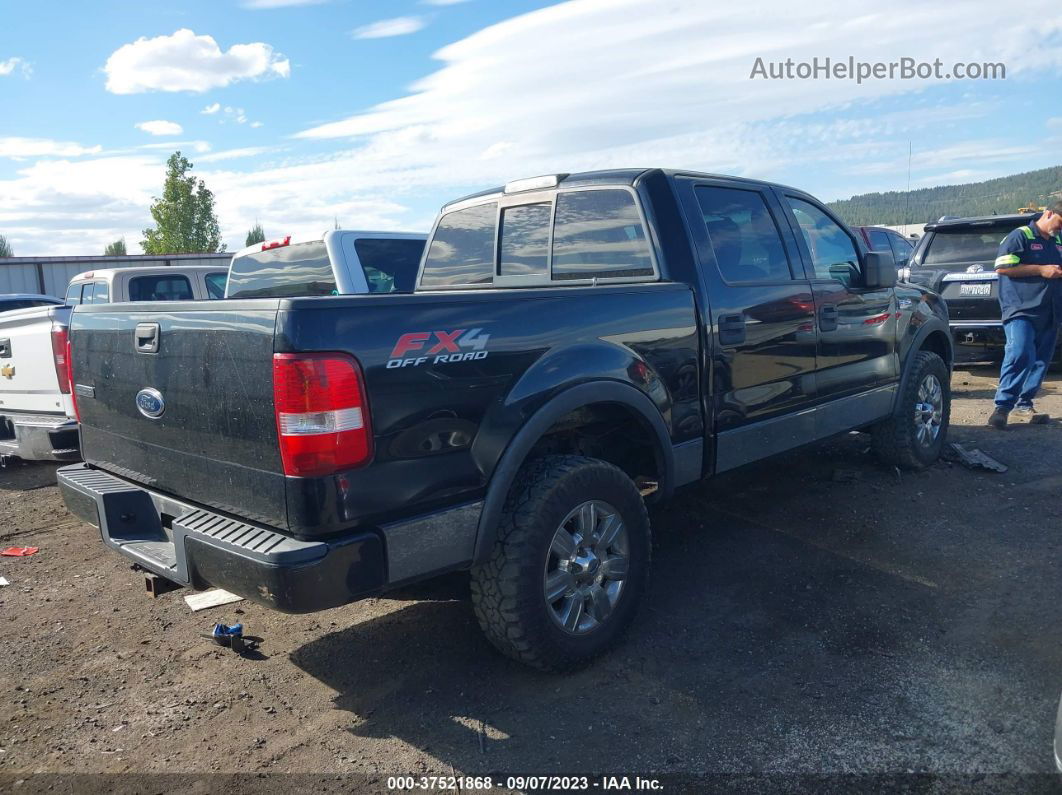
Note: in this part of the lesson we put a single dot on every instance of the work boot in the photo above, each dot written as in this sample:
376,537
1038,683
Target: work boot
998,420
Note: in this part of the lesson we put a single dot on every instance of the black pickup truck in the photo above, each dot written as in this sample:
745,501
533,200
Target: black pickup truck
576,346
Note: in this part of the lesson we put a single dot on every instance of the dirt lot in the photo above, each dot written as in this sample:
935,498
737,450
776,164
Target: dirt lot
800,619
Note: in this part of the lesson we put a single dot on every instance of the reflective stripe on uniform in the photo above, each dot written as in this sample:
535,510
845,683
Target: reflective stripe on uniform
1028,232
1007,260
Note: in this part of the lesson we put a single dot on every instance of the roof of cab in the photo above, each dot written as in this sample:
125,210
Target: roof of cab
621,176
1014,219
100,273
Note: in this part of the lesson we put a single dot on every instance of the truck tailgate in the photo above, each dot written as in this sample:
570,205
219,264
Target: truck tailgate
191,414
28,379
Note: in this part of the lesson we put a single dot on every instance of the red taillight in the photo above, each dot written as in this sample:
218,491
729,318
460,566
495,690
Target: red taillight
70,378
284,241
322,414
61,357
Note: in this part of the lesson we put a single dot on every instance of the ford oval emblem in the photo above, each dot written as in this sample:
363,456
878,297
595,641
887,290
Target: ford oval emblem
150,403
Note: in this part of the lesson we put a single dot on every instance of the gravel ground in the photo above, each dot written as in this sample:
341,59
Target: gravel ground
818,614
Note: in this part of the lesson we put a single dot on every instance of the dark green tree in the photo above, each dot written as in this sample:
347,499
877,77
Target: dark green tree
256,235
5,248
116,249
185,222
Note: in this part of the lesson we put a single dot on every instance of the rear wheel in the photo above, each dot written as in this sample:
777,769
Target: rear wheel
569,565
915,433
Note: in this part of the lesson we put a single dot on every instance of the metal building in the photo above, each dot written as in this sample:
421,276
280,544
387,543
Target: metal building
51,275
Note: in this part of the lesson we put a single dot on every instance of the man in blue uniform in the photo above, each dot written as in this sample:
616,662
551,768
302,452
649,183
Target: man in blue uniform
1030,293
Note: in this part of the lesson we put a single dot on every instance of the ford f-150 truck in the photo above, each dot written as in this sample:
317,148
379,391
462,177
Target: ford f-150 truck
576,346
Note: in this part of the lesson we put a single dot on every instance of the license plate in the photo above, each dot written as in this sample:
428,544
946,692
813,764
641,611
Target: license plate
975,289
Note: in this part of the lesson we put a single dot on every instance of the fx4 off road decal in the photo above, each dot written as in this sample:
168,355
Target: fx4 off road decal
438,347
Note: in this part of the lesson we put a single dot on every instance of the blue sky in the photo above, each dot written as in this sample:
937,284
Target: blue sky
377,113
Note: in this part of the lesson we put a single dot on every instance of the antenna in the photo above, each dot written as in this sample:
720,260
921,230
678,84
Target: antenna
907,202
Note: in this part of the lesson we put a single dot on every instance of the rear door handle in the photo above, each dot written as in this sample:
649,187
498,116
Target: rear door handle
828,317
731,329
146,337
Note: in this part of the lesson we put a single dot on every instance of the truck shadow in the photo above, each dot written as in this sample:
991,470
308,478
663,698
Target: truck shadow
20,475
746,636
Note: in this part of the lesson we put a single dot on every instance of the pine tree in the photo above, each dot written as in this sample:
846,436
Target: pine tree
5,248
256,235
185,222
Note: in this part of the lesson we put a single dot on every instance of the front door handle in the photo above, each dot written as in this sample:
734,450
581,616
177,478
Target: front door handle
828,316
731,329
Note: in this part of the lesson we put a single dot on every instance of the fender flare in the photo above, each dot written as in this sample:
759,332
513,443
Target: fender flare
516,452
936,324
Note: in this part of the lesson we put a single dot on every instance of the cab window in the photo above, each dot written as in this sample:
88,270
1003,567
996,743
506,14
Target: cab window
743,235
101,293
833,254
161,287
73,293
599,234
462,249
215,284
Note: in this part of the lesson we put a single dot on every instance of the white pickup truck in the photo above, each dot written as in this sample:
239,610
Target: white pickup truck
36,410
37,413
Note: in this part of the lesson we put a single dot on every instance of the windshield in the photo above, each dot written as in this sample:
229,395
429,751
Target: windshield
963,245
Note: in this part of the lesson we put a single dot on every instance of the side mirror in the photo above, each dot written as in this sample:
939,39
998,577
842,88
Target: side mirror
879,270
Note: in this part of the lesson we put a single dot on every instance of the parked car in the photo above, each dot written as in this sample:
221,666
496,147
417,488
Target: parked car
12,301
340,262
956,258
36,409
881,238
576,347
150,283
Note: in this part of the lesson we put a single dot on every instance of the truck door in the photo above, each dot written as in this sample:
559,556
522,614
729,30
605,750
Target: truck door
857,326
763,318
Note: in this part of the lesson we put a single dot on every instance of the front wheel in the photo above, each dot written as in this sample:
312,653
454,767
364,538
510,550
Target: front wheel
569,565
914,435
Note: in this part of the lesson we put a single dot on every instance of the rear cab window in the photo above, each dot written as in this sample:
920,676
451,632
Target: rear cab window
576,235
289,271
159,287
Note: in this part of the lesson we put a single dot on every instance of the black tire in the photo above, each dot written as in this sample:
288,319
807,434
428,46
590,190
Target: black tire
508,590
896,439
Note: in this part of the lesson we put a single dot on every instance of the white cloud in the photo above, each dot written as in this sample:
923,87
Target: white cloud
160,127
256,124
8,67
608,83
212,108
233,154
18,148
197,146
385,28
582,85
187,62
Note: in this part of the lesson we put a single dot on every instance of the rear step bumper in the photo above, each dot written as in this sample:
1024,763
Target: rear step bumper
39,437
195,547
